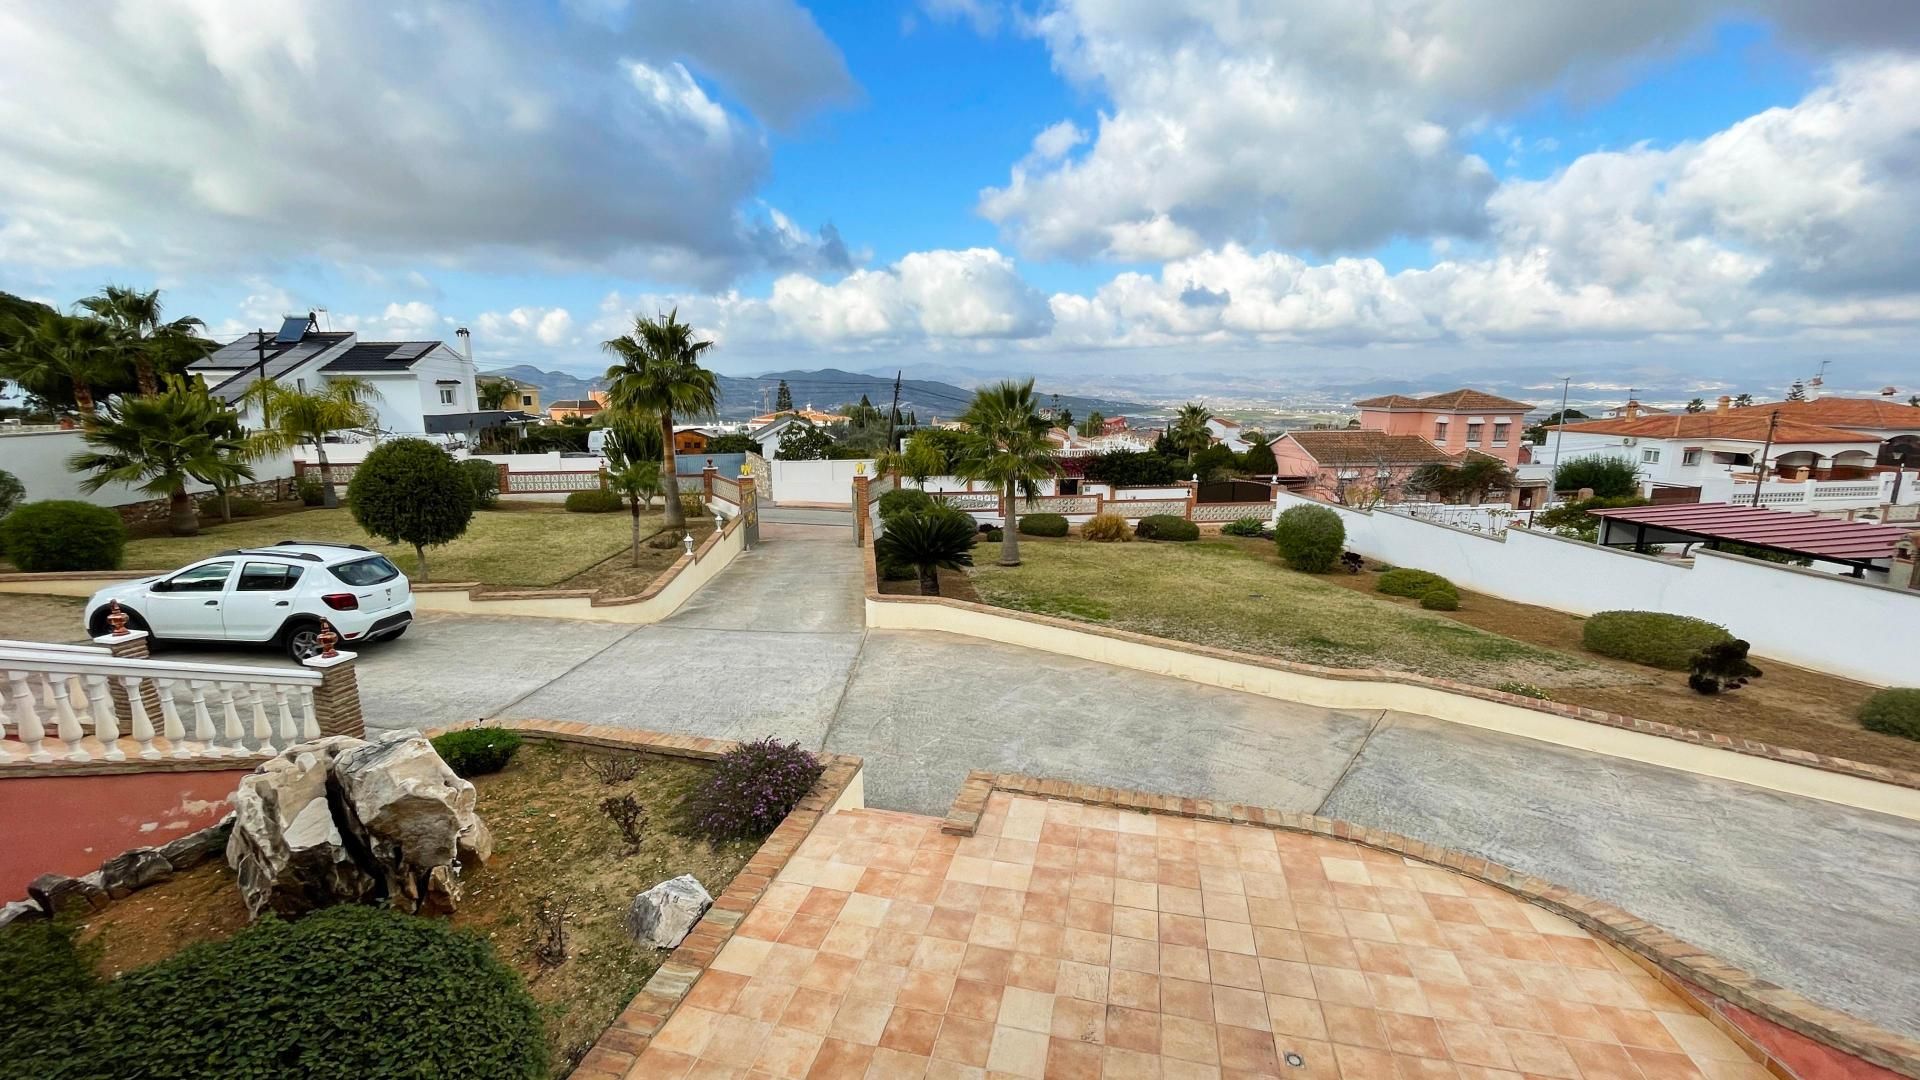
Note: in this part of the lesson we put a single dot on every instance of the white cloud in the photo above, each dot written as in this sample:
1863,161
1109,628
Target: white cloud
204,135
551,327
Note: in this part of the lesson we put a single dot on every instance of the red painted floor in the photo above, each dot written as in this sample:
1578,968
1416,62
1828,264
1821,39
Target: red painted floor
71,824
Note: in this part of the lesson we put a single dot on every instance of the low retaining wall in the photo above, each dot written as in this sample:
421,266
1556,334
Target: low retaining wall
1794,772
1852,1047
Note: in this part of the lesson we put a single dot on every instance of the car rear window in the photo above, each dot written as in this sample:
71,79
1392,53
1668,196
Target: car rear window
371,571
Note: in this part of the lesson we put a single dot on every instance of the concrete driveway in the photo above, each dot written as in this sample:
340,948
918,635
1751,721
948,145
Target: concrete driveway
1811,895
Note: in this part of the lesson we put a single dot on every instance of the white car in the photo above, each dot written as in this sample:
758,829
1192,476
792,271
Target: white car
274,594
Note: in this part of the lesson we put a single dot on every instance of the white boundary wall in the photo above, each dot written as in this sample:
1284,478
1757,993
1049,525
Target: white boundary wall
1822,621
39,459
829,482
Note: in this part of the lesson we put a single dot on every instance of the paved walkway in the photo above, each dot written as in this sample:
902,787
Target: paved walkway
1811,895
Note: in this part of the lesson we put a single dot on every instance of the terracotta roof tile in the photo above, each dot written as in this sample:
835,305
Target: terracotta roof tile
1746,425
1361,446
1463,399
1848,412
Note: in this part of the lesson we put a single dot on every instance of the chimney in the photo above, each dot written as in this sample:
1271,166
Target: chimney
466,343
1631,411
1724,404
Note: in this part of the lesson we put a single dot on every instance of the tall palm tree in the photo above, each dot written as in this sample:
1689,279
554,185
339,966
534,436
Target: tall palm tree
1006,445
494,393
290,416
157,442
145,335
657,371
57,352
1189,429
930,541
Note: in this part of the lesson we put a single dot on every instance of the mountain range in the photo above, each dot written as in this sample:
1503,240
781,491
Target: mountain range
748,396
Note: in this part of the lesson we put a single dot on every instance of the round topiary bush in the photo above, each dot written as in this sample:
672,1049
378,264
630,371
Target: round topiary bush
1043,525
593,501
1106,529
1894,711
472,752
1408,582
904,501
343,994
1310,538
310,491
1246,526
63,534
484,475
1654,638
1441,597
994,536
410,491
1166,527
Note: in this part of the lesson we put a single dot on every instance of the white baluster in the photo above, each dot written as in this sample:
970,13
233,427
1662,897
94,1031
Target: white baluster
70,731
202,720
309,719
262,731
26,718
235,737
106,725
171,726
46,693
142,723
289,731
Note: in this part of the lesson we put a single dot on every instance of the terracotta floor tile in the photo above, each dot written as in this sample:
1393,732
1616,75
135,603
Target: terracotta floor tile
938,954
1341,986
1638,1027
1186,962
925,990
810,1010
1033,972
1360,1063
1045,907
1263,911
1240,1008
959,895
1133,989
1002,902
1419,1068
907,916
1224,906
1041,939
1539,1055
1186,998
1129,954
1018,1052
1363,898
974,1000
1368,925
1327,951
823,902
788,1052
763,999
736,1041
1133,1029
890,1064
785,963
953,1070
911,1031
1602,1060
806,931
875,981
1398,993
1119,1064
1136,894
1070,1060
1227,936
661,1064
1657,1065
1229,969
1295,1016
838,1059
1434,966
846,939
1132,922
1189,1040
1088,982
995,931
1460,1003
860,1020
784,895
983,964
1088,914
922,888
1181,898
764,922
864,909
1182,929
1354,1025
895,947
687,1031
715,991
951,924
1318,919
964,1041
1475,1044
1381,958
1287,977
1415,1035
1248,1050
1046,881
1080,1021
1025,1009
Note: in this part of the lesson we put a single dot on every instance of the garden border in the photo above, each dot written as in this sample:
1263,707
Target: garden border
841,786
1683,968
1798,772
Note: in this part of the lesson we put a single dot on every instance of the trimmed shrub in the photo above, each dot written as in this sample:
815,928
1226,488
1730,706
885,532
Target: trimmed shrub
904,501
1441,597
420,998
691,506
1246,526
1310,538
1042,525
310,491
994,536
1654,638
63,534
1166,527
238,505
593,501
1106,529
1720,667
410,491
472,752
752,788
12,492
1408,582
1609,476
1894,711
484,475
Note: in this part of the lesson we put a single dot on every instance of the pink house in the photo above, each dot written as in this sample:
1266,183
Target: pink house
1354,466
1455,421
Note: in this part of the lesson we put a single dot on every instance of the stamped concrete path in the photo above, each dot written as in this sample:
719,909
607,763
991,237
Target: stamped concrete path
1811,895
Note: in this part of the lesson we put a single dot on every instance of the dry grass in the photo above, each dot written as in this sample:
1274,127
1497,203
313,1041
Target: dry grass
616,575
550,840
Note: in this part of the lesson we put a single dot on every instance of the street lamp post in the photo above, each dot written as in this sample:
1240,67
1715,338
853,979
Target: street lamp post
1559,430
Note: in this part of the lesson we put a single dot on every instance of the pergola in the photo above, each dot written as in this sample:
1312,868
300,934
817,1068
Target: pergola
1862,545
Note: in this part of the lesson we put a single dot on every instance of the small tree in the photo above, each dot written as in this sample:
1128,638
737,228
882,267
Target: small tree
1310,538
1742,401
1260,460
293,416
159,442
783,398
410,491
638,483
1189,431
804,442
933,540
1610,477
922,461
1092,425
1697,405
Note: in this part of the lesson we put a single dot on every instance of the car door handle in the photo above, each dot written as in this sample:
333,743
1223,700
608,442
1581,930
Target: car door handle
213,603
280,603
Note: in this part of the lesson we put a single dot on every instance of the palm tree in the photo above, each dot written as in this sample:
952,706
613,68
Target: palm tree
158,442
1697,405
658,372
493,393
1006,445
1189,429
143,334
59,351
935,540
290,417
1742,401
638,483
1479,474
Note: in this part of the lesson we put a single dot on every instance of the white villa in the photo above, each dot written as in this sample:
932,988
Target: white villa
1688,449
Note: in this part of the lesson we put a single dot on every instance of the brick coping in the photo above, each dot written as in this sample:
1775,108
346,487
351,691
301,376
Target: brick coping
1712,740
476,591
620,1046
1680,965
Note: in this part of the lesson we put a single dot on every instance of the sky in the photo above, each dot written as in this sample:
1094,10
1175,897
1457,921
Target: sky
1721,195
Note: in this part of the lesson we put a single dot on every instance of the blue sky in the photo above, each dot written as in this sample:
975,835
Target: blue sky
1463,188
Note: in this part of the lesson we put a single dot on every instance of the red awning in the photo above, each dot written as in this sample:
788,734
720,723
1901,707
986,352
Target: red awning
1781,530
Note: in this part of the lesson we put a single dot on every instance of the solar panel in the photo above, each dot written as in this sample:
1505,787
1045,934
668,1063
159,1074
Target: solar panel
292,329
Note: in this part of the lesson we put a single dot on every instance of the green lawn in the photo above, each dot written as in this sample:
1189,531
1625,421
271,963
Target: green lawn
524,546
1237,595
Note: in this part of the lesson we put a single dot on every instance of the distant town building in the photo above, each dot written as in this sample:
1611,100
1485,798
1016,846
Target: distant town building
588,406
1455,421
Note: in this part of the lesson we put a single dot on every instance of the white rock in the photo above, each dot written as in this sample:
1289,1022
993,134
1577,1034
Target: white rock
666,913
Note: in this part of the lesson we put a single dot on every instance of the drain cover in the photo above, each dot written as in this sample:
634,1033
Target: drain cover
1295,1060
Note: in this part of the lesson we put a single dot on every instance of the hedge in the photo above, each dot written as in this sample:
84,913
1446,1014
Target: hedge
1042,525
904,501
1654,638
1408,582
1441,597
1166,527
593,501
484,475
344,994
1894,711
1310,538
63,534
472,752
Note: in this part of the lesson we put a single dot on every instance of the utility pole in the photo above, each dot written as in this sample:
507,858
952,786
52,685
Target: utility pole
893,418
1760,474
1559,432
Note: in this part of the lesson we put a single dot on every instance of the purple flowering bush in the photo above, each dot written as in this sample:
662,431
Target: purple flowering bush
752,788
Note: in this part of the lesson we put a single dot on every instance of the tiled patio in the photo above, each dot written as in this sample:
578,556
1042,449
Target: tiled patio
1080,942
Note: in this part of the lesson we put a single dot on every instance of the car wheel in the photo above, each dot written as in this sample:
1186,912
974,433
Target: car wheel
302,641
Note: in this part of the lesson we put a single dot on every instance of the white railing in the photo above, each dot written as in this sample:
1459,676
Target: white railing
1490,518
76,696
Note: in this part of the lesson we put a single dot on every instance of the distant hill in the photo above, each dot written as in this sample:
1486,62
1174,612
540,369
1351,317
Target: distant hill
744,397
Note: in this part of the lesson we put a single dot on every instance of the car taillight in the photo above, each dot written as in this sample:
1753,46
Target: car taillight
341,601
